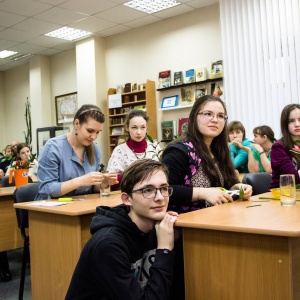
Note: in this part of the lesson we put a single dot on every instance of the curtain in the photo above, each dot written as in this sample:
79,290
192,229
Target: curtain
261,59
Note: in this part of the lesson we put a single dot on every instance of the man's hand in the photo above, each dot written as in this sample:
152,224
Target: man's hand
165,231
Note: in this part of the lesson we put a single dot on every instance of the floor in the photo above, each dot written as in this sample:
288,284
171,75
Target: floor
10,290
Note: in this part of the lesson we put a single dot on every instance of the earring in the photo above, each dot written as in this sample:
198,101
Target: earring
76,132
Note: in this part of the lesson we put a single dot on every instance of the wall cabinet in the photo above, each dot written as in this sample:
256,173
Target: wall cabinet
140,99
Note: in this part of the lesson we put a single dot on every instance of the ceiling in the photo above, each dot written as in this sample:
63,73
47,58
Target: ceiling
23,23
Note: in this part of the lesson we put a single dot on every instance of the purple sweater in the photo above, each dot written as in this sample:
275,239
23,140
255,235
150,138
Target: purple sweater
282,163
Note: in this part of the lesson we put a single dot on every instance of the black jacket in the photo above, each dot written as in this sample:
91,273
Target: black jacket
115,262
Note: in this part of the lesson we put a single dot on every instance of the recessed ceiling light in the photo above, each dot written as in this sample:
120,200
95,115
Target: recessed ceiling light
18,56
6,53
68,33
151,6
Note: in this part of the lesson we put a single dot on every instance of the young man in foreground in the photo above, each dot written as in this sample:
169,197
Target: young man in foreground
129,255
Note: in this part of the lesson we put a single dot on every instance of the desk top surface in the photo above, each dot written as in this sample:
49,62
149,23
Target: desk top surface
81,205
264,217
7,191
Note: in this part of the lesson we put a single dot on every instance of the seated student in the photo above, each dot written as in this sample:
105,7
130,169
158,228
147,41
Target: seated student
137,145
199,160
69,164
237,139
24,154
10,156
129,255
283,161
259,152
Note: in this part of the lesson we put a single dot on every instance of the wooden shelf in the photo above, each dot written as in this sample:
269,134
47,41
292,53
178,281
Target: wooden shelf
188,84
177,107
146,98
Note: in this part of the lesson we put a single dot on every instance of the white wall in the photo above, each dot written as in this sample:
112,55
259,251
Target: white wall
2,143
188,41
63,76
16,91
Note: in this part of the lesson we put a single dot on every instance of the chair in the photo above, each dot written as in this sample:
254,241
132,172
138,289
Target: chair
5,181
260,182
24,193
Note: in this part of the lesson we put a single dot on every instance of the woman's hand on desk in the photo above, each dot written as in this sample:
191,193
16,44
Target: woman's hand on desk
247,190
214,196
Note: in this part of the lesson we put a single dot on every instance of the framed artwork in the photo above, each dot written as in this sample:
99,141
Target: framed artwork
66,107
168,102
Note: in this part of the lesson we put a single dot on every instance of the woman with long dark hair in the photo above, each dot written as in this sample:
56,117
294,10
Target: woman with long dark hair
283,161
199,161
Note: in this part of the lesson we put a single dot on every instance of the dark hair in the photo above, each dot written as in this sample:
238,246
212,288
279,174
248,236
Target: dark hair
265,130
20,146
286,139
82,115
218,147
138,171
135,113
236,125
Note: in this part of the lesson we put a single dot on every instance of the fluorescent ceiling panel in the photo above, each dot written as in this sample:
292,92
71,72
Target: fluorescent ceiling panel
68,33
151,6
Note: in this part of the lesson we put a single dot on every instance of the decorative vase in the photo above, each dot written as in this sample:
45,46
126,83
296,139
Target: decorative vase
20,175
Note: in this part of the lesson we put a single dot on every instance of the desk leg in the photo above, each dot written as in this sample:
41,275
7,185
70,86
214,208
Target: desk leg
56,242
240,266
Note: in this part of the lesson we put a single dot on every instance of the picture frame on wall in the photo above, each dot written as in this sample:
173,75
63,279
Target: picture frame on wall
66,106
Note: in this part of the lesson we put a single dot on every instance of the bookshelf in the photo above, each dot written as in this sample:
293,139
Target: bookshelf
138,99
183,110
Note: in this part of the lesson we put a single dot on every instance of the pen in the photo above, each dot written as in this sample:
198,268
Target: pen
253,205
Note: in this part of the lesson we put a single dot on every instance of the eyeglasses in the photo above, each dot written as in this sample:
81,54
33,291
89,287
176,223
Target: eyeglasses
151,192
209,115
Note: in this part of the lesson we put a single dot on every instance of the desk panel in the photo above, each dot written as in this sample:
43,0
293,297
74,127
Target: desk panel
10,236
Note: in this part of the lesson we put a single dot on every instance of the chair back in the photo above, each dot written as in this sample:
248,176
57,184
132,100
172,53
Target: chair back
260,182
5,182
24,193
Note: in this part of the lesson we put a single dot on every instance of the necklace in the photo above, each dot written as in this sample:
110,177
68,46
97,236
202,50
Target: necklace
138,155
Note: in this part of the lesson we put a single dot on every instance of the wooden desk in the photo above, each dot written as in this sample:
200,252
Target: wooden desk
10,236
237,253
57,236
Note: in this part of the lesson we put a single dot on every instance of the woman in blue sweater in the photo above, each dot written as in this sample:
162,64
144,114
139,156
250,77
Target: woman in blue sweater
237,139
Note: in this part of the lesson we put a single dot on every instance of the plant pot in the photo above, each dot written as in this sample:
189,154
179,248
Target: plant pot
21,176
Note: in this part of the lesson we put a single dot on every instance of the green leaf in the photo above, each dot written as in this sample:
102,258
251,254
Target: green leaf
241,193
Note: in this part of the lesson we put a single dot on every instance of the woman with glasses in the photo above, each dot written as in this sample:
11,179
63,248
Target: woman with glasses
69,164
283,161
237,140
199,161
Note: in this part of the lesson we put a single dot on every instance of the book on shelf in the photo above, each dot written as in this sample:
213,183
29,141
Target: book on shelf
164,79
217,69
200,74
178,78
127,87
200,90
182,125
187,97
168,130
190,76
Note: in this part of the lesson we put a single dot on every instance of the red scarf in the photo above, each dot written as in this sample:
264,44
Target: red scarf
138,147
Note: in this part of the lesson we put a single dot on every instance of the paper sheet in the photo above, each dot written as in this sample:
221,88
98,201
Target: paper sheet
47,203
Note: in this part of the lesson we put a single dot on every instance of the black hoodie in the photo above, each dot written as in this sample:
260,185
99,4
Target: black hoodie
115,262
